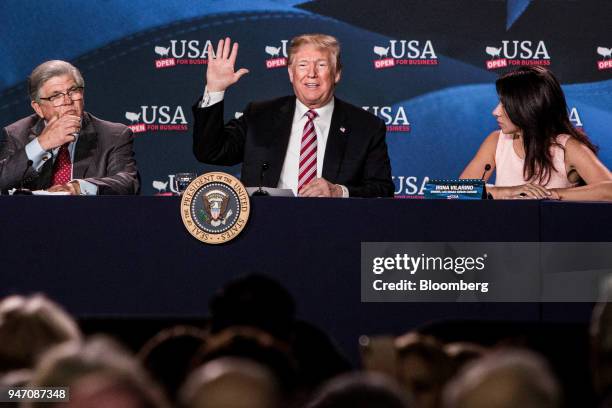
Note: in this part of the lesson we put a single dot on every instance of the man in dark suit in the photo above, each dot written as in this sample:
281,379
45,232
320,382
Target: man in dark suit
313,143
62,148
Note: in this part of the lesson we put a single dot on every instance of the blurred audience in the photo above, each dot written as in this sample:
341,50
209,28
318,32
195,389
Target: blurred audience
99,373
423,368
256,301
504,379
262,303
462,353
317,356
259,347
378,354
230,383
601,345
14,379
255,353
360,390
170,355
29,325
104,390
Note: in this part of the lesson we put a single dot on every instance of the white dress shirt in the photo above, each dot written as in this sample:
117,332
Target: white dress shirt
289,173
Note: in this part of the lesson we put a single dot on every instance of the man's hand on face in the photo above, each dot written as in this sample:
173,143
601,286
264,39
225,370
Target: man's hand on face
320,187
73,187
59,130
220,73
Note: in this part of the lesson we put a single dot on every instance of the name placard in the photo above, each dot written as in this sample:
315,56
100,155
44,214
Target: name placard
464,189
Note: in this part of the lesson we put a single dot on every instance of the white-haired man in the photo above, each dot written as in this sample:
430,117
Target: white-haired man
311,142
62,148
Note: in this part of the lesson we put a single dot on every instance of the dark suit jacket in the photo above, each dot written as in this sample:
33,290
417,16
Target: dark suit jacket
103,156
355,155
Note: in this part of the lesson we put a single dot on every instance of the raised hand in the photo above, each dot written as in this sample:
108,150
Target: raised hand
220,71
59,130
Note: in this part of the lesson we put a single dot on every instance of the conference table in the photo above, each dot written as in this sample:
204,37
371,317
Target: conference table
132,258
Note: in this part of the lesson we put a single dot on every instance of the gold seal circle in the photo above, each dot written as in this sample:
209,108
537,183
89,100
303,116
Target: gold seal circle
243,204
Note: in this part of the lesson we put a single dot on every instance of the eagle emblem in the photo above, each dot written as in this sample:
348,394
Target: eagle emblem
215,205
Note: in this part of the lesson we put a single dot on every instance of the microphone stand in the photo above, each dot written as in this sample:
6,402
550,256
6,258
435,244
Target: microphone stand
21,190
260,191
485,195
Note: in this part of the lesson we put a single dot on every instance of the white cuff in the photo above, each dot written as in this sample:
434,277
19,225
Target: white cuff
345,192
37,154
87,188
210,98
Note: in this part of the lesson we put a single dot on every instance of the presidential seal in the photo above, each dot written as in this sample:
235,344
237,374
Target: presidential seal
215,207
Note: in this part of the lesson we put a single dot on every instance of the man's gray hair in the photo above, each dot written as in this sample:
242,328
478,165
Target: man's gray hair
48,70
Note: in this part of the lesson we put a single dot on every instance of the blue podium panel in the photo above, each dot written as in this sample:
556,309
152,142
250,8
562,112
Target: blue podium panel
132,256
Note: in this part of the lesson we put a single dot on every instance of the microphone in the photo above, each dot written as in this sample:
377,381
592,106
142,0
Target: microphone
21,190
261,192
485,194
486,168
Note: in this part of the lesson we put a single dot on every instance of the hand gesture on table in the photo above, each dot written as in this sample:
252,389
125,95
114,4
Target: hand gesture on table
319,187
71,187
528,191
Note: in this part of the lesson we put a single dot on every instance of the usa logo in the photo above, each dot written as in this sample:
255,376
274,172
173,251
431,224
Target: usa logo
517,53
606,62
395,118
181,52
410,186
404,53
156,118
277,55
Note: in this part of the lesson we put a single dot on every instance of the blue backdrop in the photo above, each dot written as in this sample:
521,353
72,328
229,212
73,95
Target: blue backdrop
426,67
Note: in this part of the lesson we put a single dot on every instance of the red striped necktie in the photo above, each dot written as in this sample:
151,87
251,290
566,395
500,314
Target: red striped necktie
62,169
308,152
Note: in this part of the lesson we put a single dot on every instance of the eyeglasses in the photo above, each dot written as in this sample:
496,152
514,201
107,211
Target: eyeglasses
57,99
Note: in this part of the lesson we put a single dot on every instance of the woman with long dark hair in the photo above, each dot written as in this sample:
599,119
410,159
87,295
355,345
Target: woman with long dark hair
538,153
